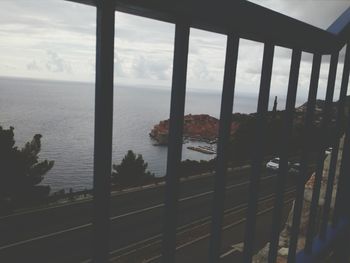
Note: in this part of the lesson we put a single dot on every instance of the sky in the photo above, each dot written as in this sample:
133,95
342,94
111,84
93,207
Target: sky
55,39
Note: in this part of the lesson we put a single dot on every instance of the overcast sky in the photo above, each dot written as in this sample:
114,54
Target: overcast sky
55,39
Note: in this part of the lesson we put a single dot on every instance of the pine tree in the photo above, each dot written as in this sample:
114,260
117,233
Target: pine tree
132,171
275,105
20,169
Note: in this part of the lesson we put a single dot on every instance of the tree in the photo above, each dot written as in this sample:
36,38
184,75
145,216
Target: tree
131,171
20,169
274,110
241,142
192,167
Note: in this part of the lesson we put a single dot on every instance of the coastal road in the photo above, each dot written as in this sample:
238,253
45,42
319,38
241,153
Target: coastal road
196,248
63,233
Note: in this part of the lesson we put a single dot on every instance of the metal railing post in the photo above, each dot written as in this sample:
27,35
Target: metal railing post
327,113
103,129
298,204
178,93
222,152
334,157
341,195
283,170
259,146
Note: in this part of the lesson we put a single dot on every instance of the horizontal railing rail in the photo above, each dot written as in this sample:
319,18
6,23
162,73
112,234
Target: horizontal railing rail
236,19
227,16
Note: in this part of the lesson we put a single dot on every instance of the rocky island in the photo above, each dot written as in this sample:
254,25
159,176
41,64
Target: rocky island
201,127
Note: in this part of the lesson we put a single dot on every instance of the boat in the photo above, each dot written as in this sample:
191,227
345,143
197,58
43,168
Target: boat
201,149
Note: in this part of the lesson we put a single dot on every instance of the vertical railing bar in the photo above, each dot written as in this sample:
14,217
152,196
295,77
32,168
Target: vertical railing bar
334,157
103,129
283,169
327,113
177,107
222,148
343,173
263,102
298,204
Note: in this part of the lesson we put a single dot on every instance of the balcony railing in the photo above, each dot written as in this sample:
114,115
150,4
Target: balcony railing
236,19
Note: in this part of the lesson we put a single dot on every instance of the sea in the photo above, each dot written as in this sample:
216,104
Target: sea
63,113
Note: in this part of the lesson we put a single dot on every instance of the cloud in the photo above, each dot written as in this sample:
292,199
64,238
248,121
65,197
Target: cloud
7,67
56,39
36,16
150,68
56,63
198,70
33,65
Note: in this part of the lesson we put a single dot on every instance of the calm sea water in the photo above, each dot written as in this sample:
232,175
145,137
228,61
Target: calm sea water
63,112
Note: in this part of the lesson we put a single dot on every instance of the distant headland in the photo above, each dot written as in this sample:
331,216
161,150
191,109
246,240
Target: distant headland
200,127
203,127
